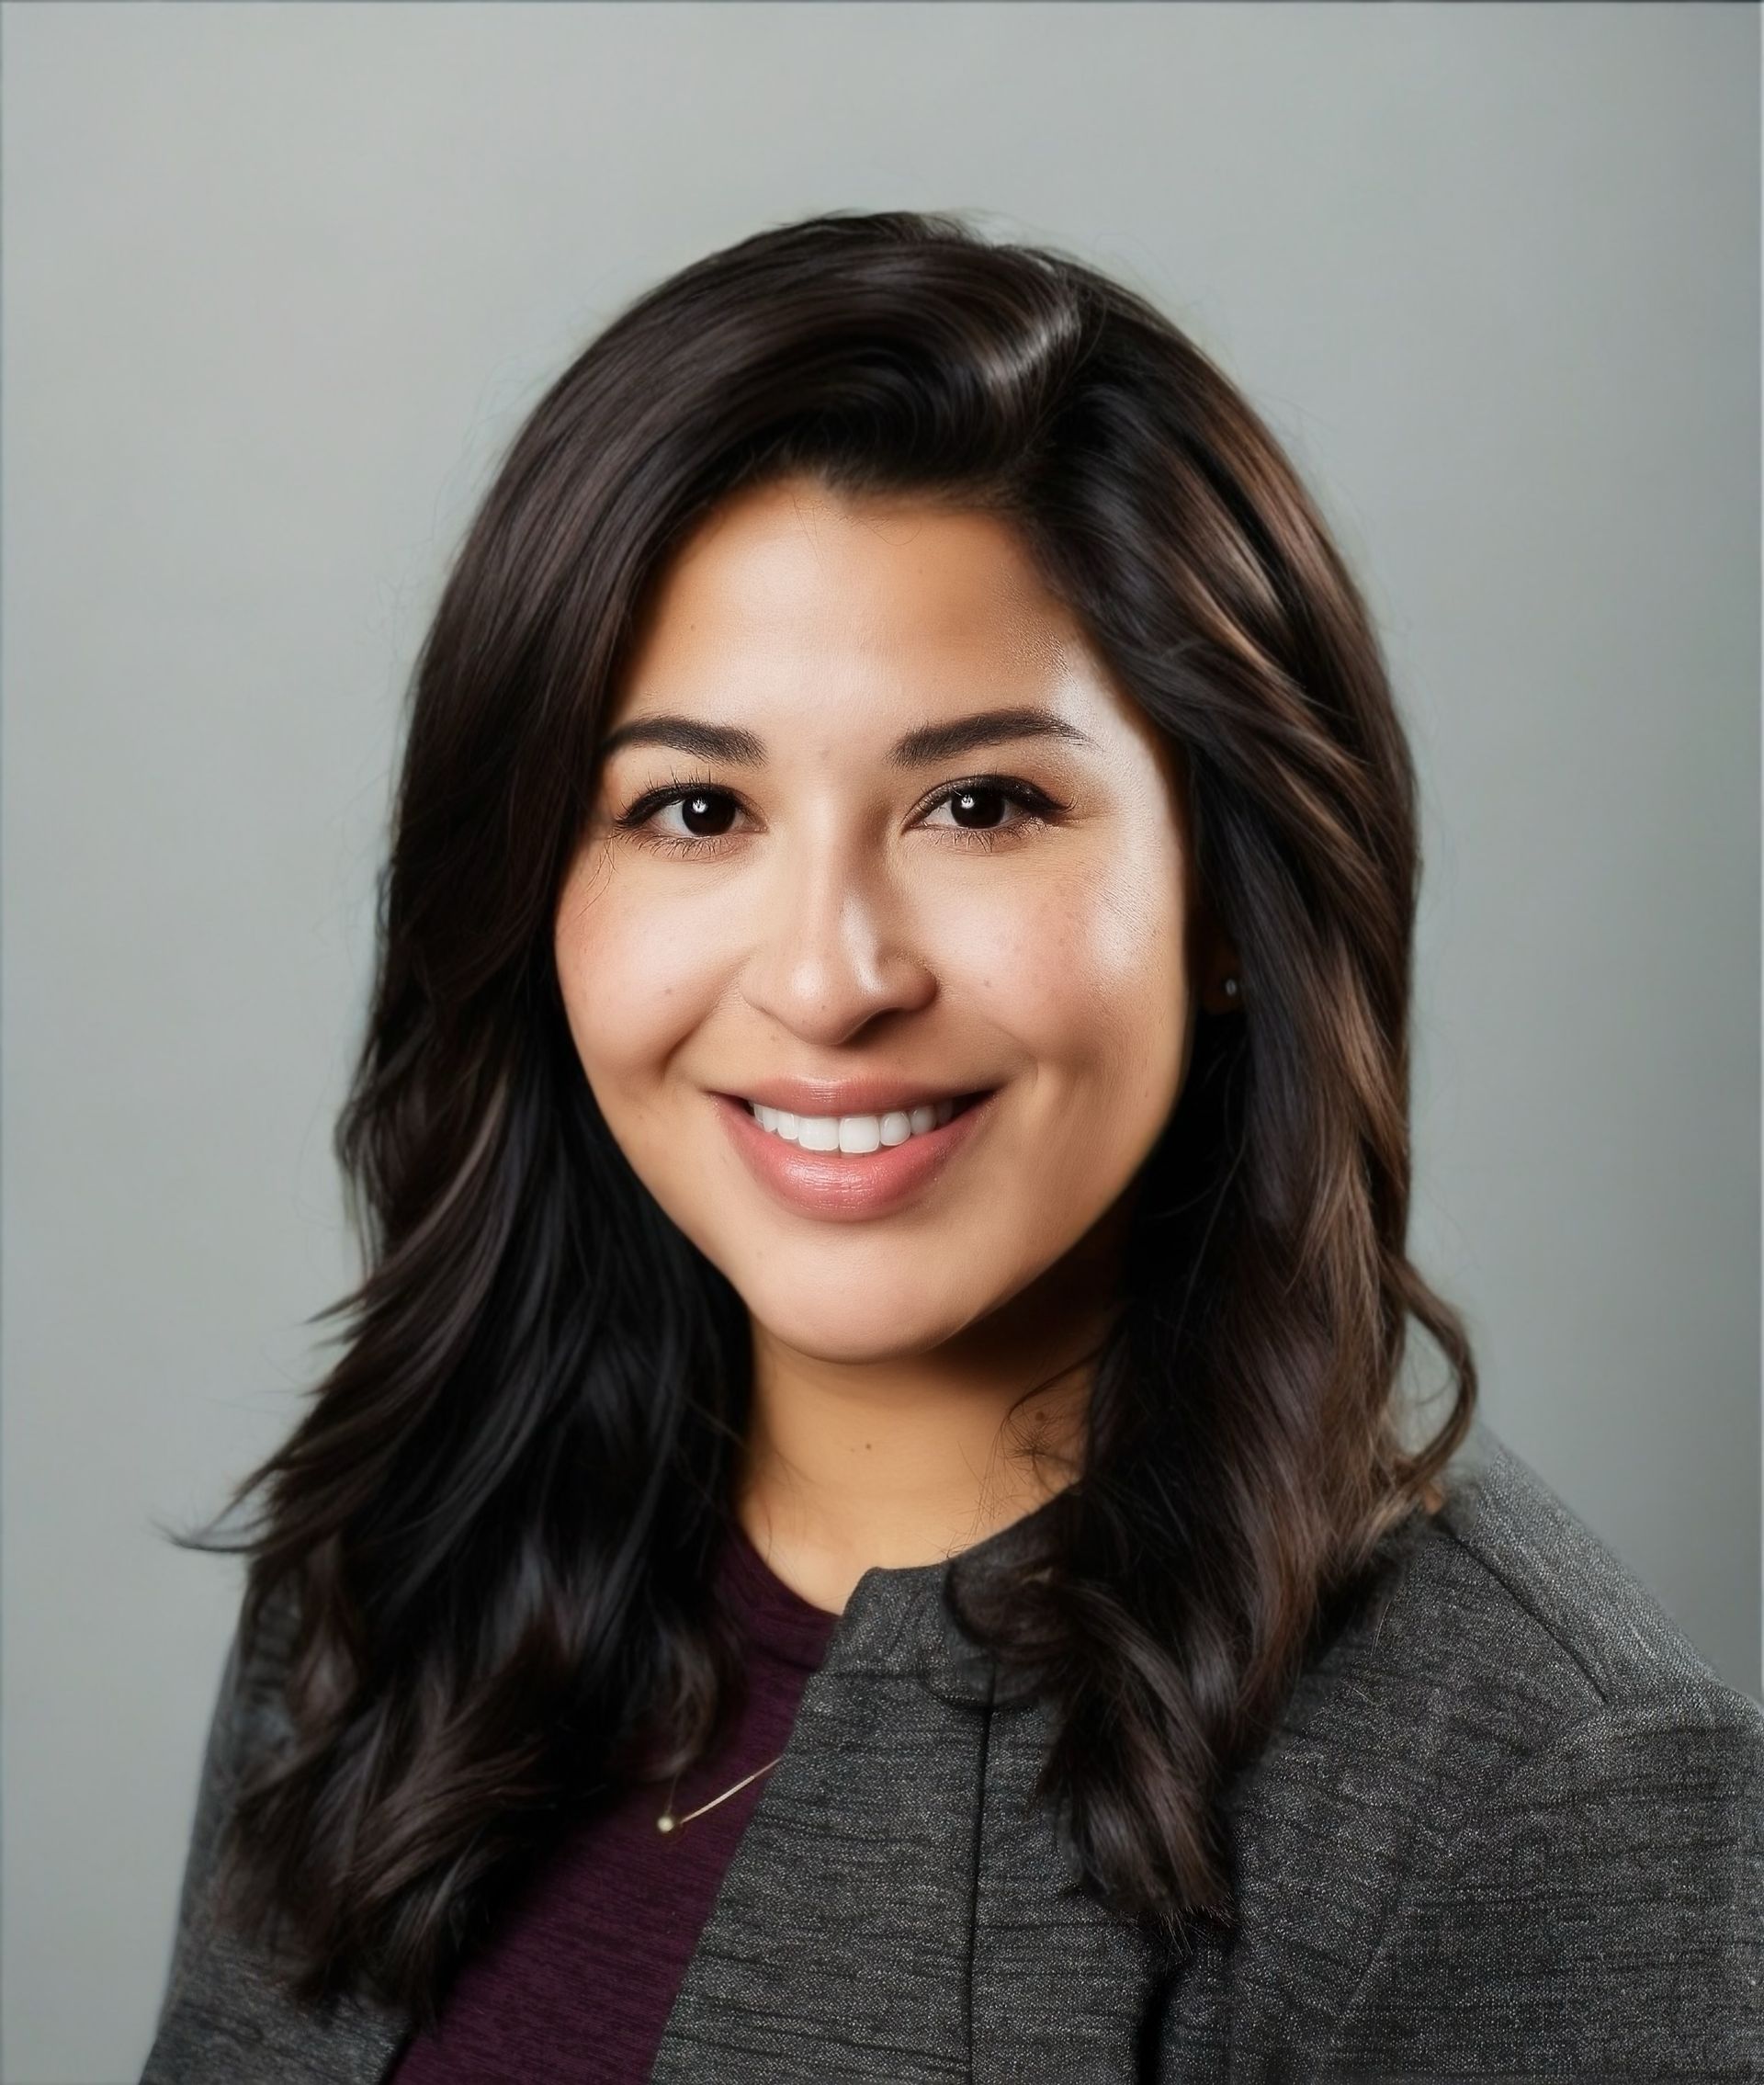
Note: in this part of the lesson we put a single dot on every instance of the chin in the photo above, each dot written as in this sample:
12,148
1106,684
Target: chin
843,1326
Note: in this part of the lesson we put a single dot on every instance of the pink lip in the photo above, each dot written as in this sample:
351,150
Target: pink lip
844,1096
849,1184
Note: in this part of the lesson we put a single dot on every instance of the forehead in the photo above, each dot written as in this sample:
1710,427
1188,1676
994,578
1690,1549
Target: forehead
790,590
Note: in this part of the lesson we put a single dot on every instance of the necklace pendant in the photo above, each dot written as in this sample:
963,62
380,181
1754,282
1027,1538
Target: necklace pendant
667,1820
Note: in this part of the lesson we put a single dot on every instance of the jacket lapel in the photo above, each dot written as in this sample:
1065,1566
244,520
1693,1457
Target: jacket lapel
837,1948
894,1914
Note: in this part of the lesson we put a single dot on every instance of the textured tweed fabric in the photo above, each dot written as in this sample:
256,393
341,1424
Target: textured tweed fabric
1511,1826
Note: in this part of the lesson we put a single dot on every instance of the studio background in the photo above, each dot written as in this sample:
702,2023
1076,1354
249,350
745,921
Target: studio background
280,281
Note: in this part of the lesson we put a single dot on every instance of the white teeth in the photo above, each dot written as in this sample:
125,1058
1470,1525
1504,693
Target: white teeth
851,1133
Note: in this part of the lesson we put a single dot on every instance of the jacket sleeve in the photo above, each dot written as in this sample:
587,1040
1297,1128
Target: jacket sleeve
234,1726
227,2017
1602,1914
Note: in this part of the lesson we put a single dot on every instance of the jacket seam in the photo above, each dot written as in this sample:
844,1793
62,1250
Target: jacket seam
1478,1807
1519,1599
976,1861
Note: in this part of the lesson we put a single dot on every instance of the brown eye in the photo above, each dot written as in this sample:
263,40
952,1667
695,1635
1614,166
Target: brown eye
989,808
977,809
707,813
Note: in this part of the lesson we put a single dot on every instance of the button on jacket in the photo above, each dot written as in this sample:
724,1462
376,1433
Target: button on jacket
1511,1825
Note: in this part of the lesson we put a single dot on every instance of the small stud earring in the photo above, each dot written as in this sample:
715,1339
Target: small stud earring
1231,988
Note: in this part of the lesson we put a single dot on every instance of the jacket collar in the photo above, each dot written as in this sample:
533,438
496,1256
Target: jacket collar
898,1619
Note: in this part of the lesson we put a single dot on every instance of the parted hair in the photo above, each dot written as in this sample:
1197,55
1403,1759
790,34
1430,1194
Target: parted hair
496,1516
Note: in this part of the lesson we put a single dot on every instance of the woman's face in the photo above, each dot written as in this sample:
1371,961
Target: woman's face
873,830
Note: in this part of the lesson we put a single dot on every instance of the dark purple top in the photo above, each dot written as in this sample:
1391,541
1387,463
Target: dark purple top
576,1985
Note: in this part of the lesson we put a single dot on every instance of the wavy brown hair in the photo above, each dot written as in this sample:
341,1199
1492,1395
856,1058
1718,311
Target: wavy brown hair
489,1537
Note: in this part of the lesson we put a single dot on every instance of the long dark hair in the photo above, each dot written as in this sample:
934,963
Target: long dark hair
486,1544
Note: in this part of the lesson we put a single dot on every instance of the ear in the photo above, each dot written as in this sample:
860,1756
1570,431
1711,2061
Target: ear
1216,963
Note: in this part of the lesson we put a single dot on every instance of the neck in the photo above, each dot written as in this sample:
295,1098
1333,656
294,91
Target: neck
852,1465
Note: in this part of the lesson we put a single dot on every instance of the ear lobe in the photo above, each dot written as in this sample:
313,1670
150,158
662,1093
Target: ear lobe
1220,973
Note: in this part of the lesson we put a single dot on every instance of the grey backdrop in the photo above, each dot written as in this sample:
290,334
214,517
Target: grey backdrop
279,282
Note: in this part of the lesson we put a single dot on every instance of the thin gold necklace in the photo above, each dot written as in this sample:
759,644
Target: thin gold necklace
667,1821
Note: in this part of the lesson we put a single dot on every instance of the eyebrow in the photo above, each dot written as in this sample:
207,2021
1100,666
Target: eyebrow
740,748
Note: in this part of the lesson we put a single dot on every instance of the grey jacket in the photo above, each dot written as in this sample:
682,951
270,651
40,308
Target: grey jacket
1511,1826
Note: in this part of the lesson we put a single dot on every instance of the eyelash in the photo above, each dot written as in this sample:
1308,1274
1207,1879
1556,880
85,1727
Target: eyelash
1039,810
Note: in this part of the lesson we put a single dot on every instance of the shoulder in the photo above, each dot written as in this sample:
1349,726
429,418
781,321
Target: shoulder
1502,1625
248,1719
1509,1783
1514,1582
251,1714
224,2014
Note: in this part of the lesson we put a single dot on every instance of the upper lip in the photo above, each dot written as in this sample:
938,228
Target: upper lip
847,1096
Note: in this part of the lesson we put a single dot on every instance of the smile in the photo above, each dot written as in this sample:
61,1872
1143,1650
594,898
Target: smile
856,1134
848,1167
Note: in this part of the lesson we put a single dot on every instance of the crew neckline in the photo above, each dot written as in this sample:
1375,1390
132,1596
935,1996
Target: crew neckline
885,1596
774,1614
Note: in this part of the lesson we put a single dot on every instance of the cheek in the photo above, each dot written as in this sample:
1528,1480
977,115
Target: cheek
631,991
1088,975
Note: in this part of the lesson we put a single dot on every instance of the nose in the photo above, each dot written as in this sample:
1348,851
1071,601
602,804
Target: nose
834,947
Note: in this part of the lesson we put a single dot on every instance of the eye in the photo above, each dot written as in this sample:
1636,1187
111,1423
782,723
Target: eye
976,805
704,813
981,809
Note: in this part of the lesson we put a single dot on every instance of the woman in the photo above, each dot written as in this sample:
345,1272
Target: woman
865,1527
